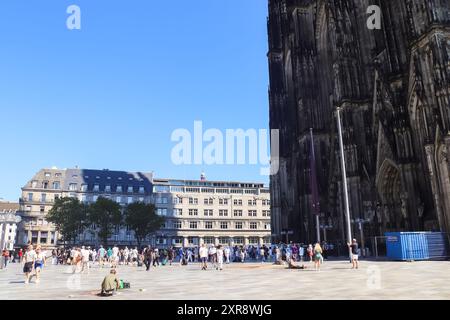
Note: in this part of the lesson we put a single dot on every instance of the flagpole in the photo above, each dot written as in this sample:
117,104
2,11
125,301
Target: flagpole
344,179
314,185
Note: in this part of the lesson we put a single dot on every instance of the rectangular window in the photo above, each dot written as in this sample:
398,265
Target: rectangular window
107,188
252,213
34,184
130,200
208,225
193,224
30,197
72,187
267,226
238,225
84,187
208,212
252,202
237,202
238,240
118,199
266,213
223,240
141,199
43,197
119,189
130,189
44,235
208,201
96,188
237,213
193,212
95,198
223,225
141,189
223,201
253,240
208,240
177,200
223,213
56,185
253,225
176,224
193,200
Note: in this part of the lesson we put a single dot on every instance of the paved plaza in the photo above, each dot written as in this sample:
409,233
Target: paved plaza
374,280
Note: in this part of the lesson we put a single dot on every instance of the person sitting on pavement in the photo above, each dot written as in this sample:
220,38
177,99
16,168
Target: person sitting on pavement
110,284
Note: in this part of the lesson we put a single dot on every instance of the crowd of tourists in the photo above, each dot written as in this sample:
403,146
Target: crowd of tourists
82,258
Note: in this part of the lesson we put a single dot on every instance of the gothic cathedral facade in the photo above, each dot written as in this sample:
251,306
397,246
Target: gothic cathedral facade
393,87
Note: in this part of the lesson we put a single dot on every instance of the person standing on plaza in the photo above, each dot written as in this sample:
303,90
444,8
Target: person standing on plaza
155,257
170,255
20,255
219,254
126,255
203,252
84,260
76,260
5,256
213,256
101,256
115,256
148,255
28,260
301,252
310,252
39,263
226,252
134,256
109,254
317,256
354,253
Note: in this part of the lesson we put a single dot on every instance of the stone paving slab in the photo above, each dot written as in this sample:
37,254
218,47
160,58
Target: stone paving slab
248,281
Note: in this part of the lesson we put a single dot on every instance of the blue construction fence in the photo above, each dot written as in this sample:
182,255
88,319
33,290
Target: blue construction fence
411,246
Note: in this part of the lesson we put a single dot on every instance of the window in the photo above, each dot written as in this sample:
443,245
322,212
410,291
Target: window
56,185
42,209
223,225
177,200
141,189
208,201
252,213
130,189
267,226
161,211
253,225
130,200
193,212
73,187
176,224
177,212
34,236
84,187
108,188
119,189
237,213
83,198
177,240
253,240
223,201
238,225
118,199
141,199
192,240
266,213
95,198
43,197
193,201
96,188
44,236
30,197
58,174
208,240
34,184
238,240
237,202
223,240
208,212
223,213
252,202
208,225
193,224
48,174
164,200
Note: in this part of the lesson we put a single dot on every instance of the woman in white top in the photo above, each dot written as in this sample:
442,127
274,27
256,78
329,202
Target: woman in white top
28,260
219,254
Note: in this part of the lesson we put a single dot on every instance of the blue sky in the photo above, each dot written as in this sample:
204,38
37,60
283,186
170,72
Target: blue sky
110,95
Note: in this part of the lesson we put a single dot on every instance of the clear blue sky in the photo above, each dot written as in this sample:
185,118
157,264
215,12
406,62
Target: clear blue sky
110,95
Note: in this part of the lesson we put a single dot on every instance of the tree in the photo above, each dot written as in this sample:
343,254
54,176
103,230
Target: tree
143,220
107,215
69,216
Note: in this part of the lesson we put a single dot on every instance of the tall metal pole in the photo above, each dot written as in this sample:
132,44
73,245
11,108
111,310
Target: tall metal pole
314,190
344,179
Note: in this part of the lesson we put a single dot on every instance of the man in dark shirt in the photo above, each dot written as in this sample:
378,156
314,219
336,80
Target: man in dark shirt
354,250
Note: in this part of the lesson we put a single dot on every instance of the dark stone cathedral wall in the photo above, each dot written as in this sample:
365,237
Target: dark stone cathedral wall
393,87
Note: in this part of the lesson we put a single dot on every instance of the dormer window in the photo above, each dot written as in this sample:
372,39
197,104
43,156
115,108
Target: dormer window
130,189
119,189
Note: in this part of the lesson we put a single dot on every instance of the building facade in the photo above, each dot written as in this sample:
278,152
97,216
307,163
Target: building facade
8,224
393,87
212,212
39,194
196,211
